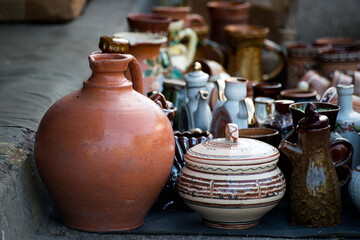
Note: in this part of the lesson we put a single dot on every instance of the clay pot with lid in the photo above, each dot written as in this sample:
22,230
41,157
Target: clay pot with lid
104,152
231,182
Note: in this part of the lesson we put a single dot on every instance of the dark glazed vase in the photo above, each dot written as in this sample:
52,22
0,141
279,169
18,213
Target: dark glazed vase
315,197
104,152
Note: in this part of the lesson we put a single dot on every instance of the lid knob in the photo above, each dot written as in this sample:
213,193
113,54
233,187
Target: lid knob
232,132
110,44
196,66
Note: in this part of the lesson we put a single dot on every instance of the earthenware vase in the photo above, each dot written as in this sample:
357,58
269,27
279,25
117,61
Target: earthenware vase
315,197
169,198
245,45
196,113
233,109
270,90
223,13
148,22
354,187
299,95
104,152
341,148
145,47
231,182
348,121
301,57
342,55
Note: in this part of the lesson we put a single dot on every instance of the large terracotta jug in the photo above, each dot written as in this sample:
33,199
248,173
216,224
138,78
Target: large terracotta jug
104,152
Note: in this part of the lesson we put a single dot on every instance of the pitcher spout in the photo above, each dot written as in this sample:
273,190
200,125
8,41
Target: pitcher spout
291,150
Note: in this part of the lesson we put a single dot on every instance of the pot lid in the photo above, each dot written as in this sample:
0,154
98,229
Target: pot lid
196,78
232,150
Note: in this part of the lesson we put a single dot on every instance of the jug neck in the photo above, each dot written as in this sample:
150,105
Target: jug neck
345,102
108,70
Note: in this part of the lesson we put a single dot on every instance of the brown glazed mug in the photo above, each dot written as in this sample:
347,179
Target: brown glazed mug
271,90
299,95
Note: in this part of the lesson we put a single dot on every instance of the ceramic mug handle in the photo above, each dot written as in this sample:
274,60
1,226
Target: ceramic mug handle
270,45
136,74
191,48
231,132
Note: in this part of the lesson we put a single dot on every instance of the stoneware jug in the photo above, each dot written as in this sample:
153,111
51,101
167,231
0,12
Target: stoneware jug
145,47
245,44
348,121
104,152
233,109
315,197
231,182
196,112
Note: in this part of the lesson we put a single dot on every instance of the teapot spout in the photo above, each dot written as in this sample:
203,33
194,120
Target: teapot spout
291,150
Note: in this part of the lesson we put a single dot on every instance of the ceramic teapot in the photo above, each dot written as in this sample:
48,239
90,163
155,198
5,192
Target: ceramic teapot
231,182
233,109
104,152
315,197
196,113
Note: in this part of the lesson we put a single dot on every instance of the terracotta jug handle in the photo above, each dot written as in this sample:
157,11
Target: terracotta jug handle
270,45
136,74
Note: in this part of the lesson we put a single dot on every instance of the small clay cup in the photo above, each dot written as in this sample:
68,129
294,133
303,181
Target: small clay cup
173,12
267,135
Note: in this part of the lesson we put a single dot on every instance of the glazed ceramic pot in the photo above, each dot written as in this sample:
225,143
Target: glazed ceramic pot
270,90
180,13
312,80
223,13
147,22
145,47
348,121
231,182
341,148
245,44
354,187
267,135
315,197
343,55
299,95
301,57
104,152
233,109
169,198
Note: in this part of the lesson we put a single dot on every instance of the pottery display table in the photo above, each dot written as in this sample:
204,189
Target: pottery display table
41,63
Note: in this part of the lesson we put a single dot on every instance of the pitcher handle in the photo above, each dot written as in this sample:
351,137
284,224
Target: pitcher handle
340,140
271,46
191,48
136,74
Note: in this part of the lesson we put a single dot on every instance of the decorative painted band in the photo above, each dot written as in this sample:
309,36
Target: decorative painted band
232,206
231,225
232,189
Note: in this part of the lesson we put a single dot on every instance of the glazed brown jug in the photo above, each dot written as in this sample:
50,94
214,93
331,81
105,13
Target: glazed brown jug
105,152
315,198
